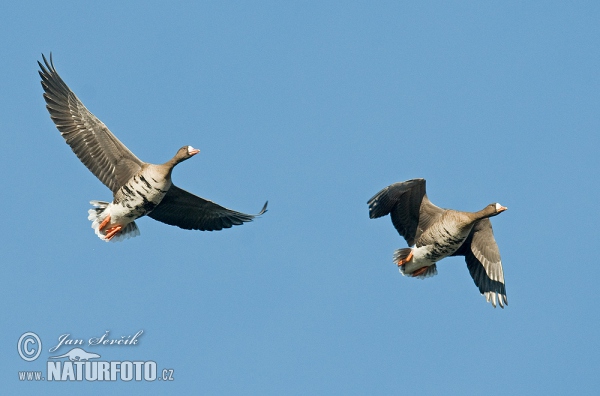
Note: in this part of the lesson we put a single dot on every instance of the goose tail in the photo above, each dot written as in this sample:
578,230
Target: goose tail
403,258
99,212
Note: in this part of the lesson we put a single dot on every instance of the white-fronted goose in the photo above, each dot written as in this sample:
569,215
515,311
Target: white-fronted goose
436,233
139,188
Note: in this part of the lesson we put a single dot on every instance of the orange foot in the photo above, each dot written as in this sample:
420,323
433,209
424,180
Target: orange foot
104,222
405,260
420,271
112,231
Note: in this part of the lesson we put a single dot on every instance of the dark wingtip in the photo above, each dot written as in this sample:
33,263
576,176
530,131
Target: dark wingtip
46,69
382,203
264,209
378,204
371,213
374,207
49,65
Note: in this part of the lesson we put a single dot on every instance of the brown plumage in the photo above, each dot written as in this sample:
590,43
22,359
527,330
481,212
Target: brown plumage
437,233
139,188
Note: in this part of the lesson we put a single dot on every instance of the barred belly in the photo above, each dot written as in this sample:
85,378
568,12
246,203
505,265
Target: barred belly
442,240
139,196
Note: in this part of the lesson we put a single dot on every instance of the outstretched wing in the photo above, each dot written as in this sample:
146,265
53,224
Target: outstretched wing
93,143
182,209
484,263
409,207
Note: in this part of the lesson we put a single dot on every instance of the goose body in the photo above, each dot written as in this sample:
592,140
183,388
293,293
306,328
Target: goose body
136,198
439,241
139,188
435,233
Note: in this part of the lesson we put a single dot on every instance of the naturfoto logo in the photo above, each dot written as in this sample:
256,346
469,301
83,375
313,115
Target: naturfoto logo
79,364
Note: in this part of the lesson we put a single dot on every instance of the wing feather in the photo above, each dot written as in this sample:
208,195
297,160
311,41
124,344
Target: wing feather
410,209
93,143
484,263
185,210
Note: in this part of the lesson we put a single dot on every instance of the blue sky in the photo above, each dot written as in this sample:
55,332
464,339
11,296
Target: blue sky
314,106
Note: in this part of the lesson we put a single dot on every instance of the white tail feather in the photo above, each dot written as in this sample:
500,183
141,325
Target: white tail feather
131,230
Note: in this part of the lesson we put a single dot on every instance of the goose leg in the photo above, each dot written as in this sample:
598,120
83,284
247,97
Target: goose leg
104,222
405,260
111,232
420,271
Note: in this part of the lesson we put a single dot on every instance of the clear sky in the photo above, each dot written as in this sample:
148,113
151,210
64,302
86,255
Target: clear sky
314,106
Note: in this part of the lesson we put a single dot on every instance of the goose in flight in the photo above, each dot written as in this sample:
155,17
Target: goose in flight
436,233
139,188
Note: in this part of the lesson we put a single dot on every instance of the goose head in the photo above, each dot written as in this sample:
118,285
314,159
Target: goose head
184,153
495,209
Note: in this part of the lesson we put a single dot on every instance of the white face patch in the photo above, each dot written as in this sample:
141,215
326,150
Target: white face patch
499,207
192,150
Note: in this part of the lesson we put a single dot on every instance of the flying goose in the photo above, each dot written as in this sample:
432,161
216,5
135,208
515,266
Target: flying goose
139,188
436,233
